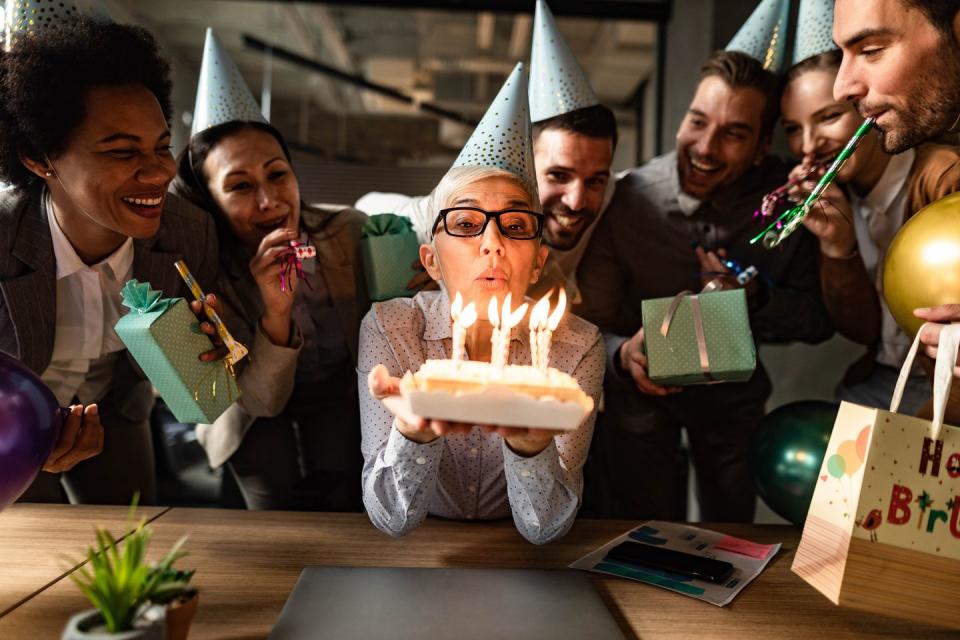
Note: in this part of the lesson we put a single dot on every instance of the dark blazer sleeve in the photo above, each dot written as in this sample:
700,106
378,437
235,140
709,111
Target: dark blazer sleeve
28,296
602,280
197,239
791,308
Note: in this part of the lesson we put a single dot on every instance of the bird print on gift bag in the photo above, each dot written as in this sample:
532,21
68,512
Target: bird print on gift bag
871,523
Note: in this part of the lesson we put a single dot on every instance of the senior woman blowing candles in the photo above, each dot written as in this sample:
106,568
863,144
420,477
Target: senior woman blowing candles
485,244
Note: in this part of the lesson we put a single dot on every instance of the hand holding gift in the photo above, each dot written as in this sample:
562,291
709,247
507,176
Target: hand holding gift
699,338
235,350
886,496
202,311
172,348
937,318
633,360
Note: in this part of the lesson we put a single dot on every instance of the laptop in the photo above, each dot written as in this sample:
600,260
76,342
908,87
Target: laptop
461,604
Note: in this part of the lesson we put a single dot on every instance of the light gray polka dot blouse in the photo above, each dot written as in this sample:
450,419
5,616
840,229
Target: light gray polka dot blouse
473,476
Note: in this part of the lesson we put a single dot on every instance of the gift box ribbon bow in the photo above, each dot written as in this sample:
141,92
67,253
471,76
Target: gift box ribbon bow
385,224
138,296
697,312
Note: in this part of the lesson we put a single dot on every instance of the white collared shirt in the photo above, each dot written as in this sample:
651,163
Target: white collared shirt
85,346
877,218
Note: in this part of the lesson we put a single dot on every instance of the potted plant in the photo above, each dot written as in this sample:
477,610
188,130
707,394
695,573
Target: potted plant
121,586
178,598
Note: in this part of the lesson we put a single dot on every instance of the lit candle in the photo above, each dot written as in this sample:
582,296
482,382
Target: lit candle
503,350
508,320
463,319
457,307
552,323
493,317
537,323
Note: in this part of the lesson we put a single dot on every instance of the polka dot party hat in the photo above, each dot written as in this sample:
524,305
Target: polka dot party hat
558,84
222,95
24,18
502,139
814,29
763,36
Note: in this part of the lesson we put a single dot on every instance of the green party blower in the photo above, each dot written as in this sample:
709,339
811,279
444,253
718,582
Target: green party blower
788,221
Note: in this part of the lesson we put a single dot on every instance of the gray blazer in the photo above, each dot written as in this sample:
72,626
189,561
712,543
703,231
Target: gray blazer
29,291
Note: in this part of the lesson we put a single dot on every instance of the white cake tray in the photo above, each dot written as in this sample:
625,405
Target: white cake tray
499,407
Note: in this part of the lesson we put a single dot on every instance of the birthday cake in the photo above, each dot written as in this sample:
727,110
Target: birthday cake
480,393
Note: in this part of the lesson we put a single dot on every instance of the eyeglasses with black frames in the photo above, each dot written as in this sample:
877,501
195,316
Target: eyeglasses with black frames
469,222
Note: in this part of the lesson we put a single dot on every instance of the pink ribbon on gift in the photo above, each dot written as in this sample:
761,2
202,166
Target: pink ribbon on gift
697,325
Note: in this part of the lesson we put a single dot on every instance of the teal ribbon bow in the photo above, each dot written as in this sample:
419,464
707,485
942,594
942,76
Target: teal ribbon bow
385,224
138,296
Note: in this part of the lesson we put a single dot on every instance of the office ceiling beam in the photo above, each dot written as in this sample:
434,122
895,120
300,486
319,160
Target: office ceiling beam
356,80
653,10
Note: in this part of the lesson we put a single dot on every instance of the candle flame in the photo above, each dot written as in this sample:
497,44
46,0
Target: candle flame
508,318
456,307
516,316
557,314
538,317
469,316
493,312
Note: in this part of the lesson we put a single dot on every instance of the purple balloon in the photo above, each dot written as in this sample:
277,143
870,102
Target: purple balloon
30,421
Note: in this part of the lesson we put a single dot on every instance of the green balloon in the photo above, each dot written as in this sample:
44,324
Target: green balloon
836,465
786,454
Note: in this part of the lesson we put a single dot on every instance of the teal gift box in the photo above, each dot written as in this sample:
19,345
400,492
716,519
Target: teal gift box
699,339
389,247
164,337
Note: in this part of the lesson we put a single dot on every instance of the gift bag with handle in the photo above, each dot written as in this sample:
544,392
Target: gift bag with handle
883,530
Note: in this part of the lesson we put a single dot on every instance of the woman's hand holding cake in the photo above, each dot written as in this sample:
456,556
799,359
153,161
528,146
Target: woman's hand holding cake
386,389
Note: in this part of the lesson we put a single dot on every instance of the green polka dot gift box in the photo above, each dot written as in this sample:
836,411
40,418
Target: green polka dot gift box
389,247
699,338
164,337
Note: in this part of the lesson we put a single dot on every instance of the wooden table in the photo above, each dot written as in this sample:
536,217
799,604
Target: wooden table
248,562
40,544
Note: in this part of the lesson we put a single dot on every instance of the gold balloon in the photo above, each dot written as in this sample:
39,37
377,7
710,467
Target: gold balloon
922,267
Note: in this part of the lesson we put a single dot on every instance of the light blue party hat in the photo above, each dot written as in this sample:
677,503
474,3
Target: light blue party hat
502,139
558,84
23,18
222,95
763,36
814,30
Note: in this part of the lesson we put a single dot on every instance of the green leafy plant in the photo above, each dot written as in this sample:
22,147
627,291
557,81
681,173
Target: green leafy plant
172,584
118,581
